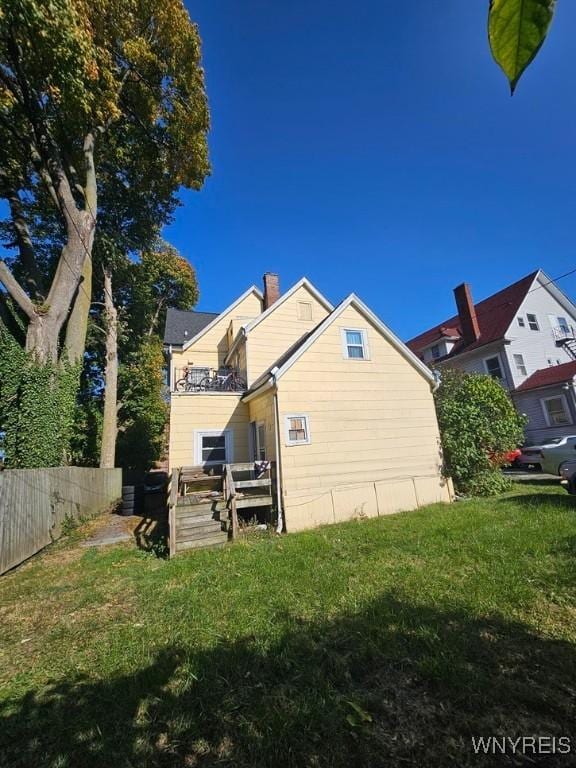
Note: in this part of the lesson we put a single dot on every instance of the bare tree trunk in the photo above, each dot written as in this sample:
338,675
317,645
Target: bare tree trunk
110,421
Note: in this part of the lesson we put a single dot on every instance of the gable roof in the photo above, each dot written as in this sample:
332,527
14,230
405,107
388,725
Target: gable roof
303,283
284,363
547,377
494,314
216,317
182,325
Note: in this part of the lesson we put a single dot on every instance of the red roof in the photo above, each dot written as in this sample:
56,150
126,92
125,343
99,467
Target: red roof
495,314
547,377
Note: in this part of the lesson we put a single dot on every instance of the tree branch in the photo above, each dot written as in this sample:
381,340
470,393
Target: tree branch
23,238
16,291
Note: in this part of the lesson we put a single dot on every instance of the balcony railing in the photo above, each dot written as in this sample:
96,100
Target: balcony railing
563,333
206,379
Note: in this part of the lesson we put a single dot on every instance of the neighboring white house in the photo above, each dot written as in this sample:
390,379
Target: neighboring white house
524,336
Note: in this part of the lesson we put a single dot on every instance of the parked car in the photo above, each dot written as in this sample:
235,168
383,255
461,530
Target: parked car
568,476
531,455
553,456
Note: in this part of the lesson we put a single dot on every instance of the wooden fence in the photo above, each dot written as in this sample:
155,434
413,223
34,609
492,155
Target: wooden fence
35,502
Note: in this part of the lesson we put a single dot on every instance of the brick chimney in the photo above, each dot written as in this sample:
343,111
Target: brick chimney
271,289
467,313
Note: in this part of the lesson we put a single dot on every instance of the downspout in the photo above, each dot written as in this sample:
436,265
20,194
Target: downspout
280,524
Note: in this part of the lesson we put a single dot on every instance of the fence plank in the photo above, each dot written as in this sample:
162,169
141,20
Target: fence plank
34,503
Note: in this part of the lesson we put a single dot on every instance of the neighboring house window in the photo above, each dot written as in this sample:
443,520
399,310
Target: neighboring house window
213,447
521,322
563,325
556,411
494,368
550,362
297,430
532,322
354,343
520,365
435,350
304,310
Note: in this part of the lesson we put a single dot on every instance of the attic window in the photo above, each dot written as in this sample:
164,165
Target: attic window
304,310
533,322
521,322
435,351
354,344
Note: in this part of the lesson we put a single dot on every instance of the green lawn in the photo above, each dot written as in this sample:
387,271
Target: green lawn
385,642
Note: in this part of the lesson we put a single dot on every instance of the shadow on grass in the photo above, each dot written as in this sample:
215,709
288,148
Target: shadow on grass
396,684
151,533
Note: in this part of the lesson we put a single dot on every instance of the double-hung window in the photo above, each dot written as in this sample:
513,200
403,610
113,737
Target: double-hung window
532,322
297,429
354,344
520,365
494,368
556,411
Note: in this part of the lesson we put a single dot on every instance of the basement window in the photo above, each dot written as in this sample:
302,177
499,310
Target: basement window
556,411
533,322
297,430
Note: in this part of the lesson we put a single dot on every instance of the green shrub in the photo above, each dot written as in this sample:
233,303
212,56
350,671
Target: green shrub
478,424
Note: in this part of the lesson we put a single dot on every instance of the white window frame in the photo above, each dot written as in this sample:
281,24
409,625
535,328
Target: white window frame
365,348
562,398
521,322
485,361
520,366
303,416
228,446
437,348
535,321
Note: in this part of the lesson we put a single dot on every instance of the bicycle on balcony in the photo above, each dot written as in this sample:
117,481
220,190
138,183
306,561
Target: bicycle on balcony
223,380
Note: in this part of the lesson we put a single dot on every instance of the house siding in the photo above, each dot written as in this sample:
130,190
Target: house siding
206,411
375,445
261,410
211,349
530,404
274,336
537,347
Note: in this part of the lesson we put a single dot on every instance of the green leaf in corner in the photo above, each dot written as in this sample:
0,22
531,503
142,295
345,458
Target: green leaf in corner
516,30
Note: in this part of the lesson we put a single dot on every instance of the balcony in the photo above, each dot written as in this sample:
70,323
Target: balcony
563,333
206,379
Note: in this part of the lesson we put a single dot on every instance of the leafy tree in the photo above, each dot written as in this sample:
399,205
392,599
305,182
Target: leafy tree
478,424
516,31
103,116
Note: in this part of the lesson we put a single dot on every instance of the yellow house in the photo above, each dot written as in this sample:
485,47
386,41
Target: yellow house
329,394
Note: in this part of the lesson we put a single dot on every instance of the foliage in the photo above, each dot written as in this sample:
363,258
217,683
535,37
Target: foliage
37,403
478,424
256,654
143,411
516,31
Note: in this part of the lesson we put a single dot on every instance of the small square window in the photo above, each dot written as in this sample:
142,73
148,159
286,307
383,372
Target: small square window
297,430
521,322
533,322
304,310
435,351
520,365
354,344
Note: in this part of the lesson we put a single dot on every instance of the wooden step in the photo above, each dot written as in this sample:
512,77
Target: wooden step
208,541
189,528
242,502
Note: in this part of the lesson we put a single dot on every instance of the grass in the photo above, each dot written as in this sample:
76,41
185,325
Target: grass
387,642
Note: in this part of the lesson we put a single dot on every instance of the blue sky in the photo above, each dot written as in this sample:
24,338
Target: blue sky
374,148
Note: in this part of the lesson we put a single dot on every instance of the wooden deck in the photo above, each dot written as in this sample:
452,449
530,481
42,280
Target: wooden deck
204,502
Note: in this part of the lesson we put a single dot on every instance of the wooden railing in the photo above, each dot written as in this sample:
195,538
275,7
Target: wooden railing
229,490
173,490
